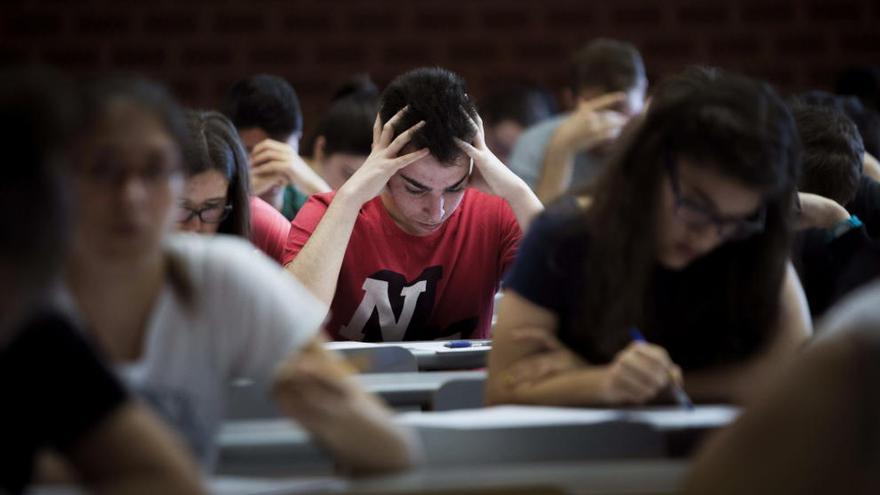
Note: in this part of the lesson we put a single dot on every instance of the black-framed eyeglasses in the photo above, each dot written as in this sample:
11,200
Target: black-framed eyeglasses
698,216
207,214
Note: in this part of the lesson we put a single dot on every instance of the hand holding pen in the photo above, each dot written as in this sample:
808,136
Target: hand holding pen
638,373
675,376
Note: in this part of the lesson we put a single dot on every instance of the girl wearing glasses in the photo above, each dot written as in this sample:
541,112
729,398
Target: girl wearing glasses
686,239
216,197
182,316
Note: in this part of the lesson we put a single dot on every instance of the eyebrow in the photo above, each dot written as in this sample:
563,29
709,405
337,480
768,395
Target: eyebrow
218,199
419,185
711,204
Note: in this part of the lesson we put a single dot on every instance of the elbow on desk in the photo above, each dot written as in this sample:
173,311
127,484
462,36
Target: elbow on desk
499,392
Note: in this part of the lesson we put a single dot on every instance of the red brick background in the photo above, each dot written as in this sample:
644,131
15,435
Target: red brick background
200,46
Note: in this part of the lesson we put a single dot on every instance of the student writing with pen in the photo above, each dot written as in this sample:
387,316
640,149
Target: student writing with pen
686,237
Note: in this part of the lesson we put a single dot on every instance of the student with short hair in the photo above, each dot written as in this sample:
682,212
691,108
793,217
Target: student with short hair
608,86
414,244
866,202
182,315
833,252
344,135
687,239
265,109
832,157
511,109
56,392
216,197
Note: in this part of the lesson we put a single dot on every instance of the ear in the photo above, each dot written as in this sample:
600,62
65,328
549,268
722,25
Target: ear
318,149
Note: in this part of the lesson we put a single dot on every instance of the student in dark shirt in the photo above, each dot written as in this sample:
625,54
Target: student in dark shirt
55,392
836,255
865,203
686,239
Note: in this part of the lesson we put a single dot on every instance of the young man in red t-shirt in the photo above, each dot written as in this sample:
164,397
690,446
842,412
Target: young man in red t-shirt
414,244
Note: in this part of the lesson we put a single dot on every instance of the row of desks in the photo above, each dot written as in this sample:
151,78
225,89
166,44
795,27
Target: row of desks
656,476
466,446
488,436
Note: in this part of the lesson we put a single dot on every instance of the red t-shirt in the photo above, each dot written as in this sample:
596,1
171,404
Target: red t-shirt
395,286
269,229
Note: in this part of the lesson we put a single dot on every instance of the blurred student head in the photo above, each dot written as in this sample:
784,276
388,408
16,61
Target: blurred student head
128,172
607,66
508,111
39,114
264,106
832,152
215,198
866,119
344,135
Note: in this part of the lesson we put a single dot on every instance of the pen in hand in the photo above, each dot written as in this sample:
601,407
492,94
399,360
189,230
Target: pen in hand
677,391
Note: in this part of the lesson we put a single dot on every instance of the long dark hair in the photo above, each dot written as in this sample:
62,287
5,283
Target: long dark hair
727,301
214,144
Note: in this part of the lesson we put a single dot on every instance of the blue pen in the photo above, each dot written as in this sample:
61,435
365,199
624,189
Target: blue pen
461,344
680,395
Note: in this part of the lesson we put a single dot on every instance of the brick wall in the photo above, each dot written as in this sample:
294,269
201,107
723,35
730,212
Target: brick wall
200,46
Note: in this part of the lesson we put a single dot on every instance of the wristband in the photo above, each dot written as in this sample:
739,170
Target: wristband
843,227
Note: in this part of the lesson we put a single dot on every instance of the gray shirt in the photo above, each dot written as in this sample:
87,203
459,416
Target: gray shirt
528,153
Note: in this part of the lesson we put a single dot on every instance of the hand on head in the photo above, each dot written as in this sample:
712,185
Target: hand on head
384,160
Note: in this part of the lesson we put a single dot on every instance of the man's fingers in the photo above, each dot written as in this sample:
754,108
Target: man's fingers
377,130
269,155
403,161
270,144
603,101
402,139
467,147
388,128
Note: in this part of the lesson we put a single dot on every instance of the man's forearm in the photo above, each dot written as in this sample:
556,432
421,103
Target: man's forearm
556,171
318,264
578,387
524,203
308,181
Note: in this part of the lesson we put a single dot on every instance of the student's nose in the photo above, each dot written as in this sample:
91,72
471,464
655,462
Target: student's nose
191,225
133,191
705,238
436,208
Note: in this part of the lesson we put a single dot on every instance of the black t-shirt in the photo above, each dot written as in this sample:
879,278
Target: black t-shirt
54,391
829,270
549,272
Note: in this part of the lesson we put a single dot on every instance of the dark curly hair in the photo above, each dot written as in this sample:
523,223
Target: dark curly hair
437,96
267,102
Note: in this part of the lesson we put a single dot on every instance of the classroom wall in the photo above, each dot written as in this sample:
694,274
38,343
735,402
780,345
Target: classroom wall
200,46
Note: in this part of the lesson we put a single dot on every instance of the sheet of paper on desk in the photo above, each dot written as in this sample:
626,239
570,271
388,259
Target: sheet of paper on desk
230,485
678,417
439,346
349,344
508,417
